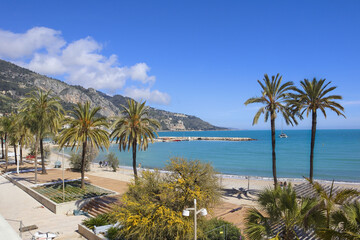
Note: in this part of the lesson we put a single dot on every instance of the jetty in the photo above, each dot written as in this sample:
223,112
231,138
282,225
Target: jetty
180,139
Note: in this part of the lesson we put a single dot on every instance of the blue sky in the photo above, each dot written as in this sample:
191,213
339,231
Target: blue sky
195,57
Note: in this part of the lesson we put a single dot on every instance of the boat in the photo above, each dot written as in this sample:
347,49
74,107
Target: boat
283,135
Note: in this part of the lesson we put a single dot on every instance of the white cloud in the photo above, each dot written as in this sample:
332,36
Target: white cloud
154,96
19,45
139,72
350,102
43,50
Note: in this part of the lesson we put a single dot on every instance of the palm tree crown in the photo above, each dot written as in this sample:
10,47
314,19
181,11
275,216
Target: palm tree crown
134,129
274,97
314,96
281,208
43,115
84,127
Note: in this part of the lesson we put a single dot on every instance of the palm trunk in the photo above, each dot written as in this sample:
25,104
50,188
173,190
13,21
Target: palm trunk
2,148
134,159
6,154
83,165
21,154
14,146
273,148
36,152
43,169
313,132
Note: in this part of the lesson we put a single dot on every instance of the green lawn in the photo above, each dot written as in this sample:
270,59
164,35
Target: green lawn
73,191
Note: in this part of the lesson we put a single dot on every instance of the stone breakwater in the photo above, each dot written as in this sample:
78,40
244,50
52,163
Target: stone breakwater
179,139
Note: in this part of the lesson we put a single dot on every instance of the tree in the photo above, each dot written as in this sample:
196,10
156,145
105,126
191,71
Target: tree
112,160
328,199
2,138
345,224
152,208
6,129
274,96
25,136
280,207
134,129
82,128
312,97
13,134
43,115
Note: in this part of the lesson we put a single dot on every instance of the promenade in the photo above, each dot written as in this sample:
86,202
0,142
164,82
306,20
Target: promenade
16,205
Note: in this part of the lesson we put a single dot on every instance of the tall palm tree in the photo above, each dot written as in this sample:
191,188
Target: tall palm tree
14,136
6,129
134,129
280,214
44,114
82,128
24,134
312,97
274,96
345,224
2,135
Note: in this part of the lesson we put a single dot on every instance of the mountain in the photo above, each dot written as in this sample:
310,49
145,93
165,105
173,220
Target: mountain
16,82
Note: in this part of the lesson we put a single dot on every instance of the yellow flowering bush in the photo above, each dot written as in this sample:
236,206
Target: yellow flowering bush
152,208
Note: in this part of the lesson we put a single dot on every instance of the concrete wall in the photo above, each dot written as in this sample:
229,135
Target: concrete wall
57,208
88,233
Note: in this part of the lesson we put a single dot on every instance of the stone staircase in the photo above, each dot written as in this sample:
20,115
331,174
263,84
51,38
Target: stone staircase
101,205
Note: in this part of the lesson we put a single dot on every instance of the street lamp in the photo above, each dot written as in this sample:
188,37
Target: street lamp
202,212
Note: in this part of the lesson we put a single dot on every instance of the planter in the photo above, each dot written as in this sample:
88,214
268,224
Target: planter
88,233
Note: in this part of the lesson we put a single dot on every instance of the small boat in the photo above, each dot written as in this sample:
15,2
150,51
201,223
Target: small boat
283,135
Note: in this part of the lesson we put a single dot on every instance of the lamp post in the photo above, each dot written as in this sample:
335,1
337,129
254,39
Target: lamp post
186,213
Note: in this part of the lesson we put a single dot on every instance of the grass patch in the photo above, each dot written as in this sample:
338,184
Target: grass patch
73,191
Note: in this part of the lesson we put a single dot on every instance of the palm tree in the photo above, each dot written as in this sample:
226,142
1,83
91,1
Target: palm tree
43,114
25,136
2,135
14,136
310,98
329,199
134,129
82,128
274,95
345,224
6,129
280,214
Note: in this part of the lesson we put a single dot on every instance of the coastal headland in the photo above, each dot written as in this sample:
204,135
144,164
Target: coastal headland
179,139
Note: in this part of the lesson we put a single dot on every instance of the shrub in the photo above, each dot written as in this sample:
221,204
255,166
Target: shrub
215,228
112,160
114,233
99,220
75,158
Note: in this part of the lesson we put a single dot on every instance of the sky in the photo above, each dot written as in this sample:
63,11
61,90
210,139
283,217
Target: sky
201,57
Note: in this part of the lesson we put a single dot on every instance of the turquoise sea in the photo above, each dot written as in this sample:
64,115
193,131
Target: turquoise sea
337,153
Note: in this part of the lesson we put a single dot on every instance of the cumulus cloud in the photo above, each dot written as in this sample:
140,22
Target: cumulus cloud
19,45
43,50
154,96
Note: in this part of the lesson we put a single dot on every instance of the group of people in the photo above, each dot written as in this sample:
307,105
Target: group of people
283,184
103,164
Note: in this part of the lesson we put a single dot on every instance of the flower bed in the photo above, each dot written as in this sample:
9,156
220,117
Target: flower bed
73,191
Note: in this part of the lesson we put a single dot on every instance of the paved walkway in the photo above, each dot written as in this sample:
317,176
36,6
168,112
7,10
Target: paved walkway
16,205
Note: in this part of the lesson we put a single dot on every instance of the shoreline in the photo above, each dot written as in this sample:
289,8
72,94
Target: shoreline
223,176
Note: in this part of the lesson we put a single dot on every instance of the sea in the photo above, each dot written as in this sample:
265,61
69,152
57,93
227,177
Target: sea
336,157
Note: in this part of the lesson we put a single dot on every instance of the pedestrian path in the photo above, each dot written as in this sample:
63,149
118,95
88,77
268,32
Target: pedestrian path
16,206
